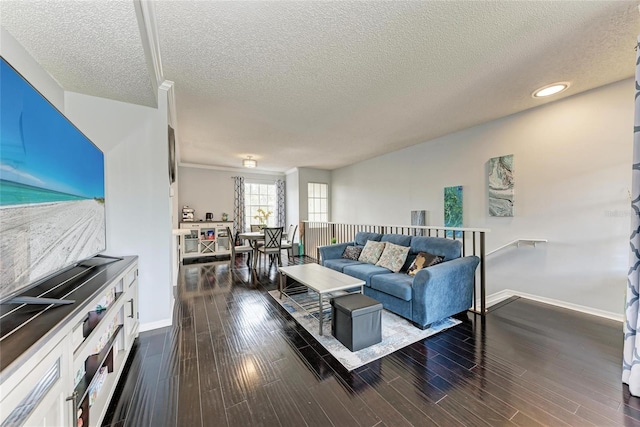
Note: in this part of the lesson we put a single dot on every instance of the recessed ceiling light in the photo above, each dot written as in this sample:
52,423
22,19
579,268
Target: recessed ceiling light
551,89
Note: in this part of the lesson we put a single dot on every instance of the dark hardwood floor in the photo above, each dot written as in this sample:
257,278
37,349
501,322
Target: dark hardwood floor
233,357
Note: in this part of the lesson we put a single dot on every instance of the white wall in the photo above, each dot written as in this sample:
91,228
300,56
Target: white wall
134,139
572,163
212,190
292,188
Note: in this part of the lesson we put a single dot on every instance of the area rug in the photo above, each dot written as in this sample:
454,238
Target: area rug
396,332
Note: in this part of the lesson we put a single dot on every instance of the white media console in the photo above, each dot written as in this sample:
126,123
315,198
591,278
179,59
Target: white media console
60,365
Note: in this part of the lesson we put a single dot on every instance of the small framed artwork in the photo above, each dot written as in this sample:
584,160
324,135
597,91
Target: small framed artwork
501,188
172,156
453,208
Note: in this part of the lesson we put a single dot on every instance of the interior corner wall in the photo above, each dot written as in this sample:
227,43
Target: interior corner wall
135,141
212,190
572,172
19,58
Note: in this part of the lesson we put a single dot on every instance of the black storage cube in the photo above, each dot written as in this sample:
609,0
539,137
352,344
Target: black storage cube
356,321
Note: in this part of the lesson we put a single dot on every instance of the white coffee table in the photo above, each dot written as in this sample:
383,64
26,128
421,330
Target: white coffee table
320,279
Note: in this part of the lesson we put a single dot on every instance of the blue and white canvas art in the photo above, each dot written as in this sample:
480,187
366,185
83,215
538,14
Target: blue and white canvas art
52,190
501,186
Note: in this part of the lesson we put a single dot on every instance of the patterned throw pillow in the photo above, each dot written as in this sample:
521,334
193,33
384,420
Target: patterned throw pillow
393,257
423,260
371,252
352,252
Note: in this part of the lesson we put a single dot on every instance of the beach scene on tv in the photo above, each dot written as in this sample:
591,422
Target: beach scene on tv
52,206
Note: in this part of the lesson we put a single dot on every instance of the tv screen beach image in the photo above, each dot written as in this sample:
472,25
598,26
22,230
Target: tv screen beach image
52,205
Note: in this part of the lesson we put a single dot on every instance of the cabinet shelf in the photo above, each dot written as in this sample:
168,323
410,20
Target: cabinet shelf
75,352
93,364
94,318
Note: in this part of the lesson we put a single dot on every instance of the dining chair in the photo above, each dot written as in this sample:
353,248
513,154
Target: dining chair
235,250
287,242
255,227
272,243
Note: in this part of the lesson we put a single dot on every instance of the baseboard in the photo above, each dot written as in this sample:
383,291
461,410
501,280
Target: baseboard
508,293
144,327
494,299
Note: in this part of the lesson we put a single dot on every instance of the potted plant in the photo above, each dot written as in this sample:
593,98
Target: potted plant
262,217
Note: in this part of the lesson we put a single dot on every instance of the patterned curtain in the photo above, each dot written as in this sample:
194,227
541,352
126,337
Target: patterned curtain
238,204
631,356
280,209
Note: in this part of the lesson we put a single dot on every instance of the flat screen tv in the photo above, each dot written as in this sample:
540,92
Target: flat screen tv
52,205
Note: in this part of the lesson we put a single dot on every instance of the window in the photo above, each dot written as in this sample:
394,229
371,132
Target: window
318,202
259,196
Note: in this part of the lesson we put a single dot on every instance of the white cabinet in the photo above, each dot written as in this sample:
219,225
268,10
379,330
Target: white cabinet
37,392
206,239
68,376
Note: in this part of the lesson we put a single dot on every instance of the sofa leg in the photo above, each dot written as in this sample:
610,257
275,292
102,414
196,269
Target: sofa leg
421,327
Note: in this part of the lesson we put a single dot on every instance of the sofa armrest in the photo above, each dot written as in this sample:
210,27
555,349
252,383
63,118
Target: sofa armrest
443,290
332,251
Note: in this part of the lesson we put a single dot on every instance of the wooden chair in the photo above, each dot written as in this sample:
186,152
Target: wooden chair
235,250
287,243
272,243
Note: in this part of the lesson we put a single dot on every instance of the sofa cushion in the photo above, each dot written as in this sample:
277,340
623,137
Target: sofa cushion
365,271
393,257
397,239
447,248
362,237
395,284
371,252
423,260
339,264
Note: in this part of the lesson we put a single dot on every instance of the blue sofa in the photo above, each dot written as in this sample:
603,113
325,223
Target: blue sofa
433,294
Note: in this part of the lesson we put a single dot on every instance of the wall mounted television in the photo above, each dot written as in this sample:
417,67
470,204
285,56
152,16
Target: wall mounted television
52,204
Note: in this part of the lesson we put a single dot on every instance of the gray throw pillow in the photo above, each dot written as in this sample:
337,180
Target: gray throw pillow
352,252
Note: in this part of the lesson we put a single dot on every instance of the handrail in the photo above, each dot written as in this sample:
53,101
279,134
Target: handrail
421,227
314,234
517,243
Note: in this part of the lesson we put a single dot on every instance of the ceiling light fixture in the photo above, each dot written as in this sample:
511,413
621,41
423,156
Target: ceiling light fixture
249,162
551,89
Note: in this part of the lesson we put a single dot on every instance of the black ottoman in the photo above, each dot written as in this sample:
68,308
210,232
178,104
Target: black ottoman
356,321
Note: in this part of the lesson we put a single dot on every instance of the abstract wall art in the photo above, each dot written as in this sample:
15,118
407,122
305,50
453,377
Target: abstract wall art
501,186
453,208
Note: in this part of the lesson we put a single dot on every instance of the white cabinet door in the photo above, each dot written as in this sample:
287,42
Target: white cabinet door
38,393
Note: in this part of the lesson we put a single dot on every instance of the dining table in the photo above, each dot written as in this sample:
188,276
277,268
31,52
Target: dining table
254,238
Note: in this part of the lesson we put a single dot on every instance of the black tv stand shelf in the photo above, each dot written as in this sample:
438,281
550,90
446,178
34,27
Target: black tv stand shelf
93,364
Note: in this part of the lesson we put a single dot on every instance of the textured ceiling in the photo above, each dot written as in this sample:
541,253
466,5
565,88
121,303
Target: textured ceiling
91,47
327,84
